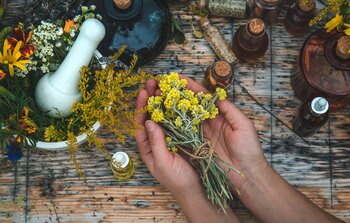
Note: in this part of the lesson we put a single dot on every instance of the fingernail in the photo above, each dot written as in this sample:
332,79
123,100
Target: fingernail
149,126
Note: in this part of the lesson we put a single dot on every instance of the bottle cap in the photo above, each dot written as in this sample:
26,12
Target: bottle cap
319,105
202,4
222,68
122,4
204,22
307,5
343,47
121,159
256,26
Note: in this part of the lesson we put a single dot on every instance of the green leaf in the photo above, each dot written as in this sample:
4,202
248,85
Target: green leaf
197,34
1,12
6,93
177,34
5,32
344,10
178,37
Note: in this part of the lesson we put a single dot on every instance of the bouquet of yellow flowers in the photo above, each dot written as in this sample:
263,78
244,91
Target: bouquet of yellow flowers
181,113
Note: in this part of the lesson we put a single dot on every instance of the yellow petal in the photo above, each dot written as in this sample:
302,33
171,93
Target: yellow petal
23,61
11,70
18,46
336,21
347,31
20,66
4,50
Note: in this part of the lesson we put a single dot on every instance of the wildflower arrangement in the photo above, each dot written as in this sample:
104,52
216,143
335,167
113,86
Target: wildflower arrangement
26,55
181,113
341,10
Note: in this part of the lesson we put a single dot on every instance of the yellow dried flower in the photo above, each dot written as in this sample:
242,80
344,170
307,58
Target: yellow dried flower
222,93
51,134
157,115
184,105
178,122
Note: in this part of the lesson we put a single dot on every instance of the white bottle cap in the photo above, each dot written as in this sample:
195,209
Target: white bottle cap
319,105
121,158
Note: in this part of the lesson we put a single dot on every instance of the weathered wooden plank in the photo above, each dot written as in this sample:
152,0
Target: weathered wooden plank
262,91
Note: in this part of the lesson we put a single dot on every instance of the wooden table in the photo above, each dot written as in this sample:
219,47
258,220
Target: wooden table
44,186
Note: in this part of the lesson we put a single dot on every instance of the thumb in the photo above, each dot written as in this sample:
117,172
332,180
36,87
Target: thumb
157,141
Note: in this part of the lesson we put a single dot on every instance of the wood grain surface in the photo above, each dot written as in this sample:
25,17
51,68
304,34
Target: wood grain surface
44,186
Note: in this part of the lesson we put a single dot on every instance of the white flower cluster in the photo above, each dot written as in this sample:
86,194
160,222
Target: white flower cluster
32,66
44,39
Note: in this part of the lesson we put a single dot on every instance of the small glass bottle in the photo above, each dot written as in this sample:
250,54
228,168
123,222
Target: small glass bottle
225,8
142,25
122,166
251,41
324,69
217,41
312,116
299,16
266,10
220,74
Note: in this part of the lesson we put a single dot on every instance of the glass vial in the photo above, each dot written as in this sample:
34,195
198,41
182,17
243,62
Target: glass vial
217,41
225,8
251,41
299,16
312,116
220,74
266,10
324,69
122,166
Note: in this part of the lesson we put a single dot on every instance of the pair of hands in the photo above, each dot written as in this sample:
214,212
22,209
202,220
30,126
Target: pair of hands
232,133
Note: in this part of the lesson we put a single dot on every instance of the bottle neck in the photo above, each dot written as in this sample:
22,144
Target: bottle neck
252,34
222,70
306,6
122,4
336,51
123,10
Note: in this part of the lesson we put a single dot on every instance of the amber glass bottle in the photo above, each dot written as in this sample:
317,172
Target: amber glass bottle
299,16
251,41
266,10
142,25
220,74
324,69
312,116
122,166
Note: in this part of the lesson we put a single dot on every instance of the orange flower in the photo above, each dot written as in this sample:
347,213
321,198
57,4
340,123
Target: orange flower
25,123
69,26
2,74
19,35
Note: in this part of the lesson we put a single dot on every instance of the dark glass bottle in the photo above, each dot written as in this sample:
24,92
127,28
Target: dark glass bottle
142,25
312,116
251,41
220,74
266,10
324,69
299,16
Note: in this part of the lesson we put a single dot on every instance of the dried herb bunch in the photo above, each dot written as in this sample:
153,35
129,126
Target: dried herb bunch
341,19
110,101
34,11
24,57
181,113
